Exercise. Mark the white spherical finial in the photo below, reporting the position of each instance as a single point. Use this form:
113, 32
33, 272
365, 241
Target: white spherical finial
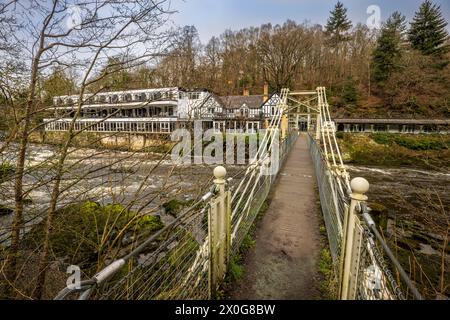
359, 185
220, 172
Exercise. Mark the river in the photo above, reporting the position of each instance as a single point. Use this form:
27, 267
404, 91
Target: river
141, 181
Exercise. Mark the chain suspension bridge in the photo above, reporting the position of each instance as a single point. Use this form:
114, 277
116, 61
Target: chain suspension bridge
189, 257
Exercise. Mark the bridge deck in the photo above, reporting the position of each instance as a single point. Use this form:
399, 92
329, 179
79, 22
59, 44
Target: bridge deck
283, 263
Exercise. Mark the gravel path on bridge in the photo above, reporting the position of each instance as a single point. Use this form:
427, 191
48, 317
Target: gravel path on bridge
283, 262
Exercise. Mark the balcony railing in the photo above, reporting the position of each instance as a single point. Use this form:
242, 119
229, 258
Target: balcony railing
141, 125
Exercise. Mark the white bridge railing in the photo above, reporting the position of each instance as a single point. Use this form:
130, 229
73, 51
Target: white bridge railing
365, 266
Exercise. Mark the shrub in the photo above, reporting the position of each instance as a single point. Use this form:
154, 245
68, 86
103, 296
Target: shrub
82, 231
174, 206
6, 170
417, 142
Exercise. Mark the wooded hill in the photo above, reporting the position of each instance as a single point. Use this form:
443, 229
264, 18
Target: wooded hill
400, 70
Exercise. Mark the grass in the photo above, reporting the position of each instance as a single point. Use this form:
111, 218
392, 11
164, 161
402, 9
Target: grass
326, 269
413, 142
327, 286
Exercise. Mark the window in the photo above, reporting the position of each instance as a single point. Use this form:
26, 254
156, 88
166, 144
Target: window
141, 126
194, 95
156, 96
379, 127
219, 126
409, 128
252, 127
273, 111
430, 128
165, 126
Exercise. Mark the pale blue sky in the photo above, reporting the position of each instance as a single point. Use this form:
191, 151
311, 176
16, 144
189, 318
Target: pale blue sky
212, 17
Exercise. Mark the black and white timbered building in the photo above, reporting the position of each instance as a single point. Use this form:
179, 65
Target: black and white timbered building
160, 111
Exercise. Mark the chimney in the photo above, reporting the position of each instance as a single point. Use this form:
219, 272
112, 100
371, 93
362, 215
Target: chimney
266, 92
246, 92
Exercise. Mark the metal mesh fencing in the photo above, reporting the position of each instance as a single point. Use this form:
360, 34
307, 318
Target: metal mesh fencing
334, 205
172, 263
175, 266
375, 273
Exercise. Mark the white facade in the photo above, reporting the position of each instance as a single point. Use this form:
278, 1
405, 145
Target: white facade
157, 111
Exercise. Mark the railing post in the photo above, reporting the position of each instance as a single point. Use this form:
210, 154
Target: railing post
219, 231
352, 239
318, 128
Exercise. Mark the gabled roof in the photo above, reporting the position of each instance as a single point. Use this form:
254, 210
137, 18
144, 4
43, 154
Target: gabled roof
235, 102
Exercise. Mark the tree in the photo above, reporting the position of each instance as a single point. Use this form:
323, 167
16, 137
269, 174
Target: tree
58, 83
428, 30
350, 94
178, 67
282, 51
46, 39
387, 55
338, 25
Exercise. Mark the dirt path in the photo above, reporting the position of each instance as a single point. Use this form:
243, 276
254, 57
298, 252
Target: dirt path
283, 263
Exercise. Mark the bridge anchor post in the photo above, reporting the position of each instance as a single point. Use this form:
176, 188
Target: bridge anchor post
352, 240
219, 231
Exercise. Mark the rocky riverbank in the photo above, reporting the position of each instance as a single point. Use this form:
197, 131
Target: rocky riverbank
410, 200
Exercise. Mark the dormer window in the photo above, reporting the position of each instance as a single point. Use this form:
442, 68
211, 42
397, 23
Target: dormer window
194, 95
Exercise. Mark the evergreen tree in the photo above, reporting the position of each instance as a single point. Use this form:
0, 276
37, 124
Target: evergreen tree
350, 94
428, 30
338, 25
387, 55
60, 82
